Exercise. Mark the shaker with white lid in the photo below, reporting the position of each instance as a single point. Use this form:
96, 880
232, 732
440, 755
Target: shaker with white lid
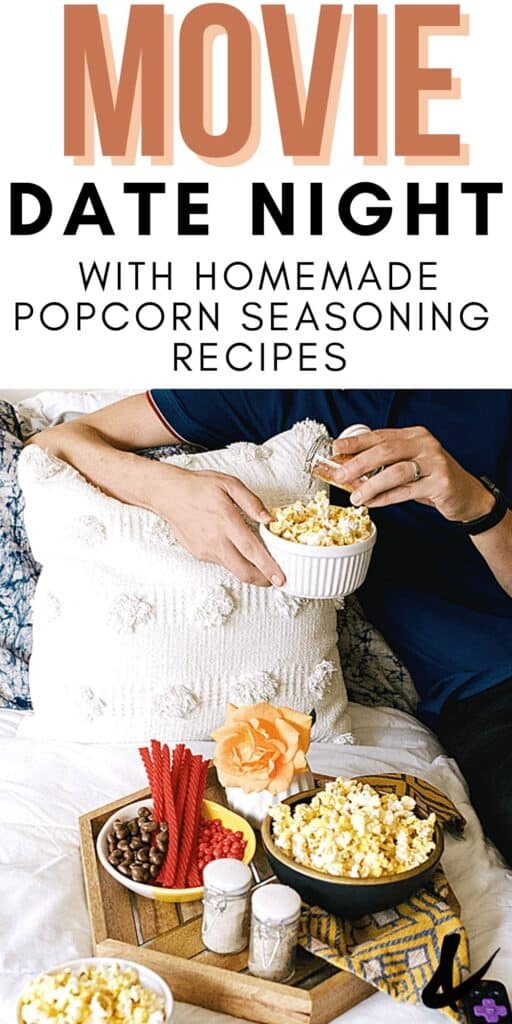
274, 932
227, 883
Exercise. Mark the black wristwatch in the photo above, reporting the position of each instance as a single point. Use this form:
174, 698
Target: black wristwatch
493, 517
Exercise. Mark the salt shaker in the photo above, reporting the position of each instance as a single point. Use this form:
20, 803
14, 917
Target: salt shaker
274, 932
322, 463
227, 884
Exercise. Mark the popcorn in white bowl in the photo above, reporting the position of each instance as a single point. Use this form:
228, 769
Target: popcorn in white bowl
97, 990
324, 551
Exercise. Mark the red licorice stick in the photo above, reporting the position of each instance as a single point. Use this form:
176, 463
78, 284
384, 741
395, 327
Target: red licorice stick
158, 782
148, 765
166, 783
166, 760
188, 823
180, 793
177, 759
168, 870
194, 877
199, 809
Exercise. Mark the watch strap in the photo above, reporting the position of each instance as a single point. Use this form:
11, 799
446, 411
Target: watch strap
492, 518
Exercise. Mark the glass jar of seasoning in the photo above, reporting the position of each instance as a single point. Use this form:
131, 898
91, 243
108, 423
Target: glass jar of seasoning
322, 463
227, 884
274, 932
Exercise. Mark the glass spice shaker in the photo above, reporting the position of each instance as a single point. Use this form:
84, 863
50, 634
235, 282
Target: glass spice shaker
227, 883
321, 462
274, 932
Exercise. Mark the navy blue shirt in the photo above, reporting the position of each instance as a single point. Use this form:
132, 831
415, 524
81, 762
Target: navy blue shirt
428, 590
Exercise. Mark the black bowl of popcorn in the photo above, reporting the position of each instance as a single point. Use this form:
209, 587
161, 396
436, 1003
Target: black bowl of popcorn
352, 848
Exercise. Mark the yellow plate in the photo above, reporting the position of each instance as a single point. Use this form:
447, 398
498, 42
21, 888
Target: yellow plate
154, 892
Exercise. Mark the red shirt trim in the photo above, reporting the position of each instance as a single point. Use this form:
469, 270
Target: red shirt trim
163, 420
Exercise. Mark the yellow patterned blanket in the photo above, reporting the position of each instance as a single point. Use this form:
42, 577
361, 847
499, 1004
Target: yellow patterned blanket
397, 950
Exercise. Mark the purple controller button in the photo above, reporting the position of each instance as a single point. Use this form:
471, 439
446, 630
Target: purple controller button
491, 1011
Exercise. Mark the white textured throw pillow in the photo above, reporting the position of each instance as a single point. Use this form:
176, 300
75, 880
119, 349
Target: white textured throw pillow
134, 638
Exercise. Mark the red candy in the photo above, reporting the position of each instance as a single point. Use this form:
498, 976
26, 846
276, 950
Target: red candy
215, 841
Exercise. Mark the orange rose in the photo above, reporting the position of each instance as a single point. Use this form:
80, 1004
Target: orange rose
261, 747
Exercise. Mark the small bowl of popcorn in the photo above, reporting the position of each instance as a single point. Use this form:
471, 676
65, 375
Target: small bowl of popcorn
352, 848
324, 550
96, 989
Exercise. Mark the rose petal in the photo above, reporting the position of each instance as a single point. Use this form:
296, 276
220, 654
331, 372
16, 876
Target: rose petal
249, 711
299, 763
302, 722
253, 782
225, 731
280, 782
290, 737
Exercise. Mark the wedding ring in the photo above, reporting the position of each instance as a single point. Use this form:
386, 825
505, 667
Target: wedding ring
416, 471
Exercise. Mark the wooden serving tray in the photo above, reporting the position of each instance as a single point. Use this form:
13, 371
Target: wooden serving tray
167, 938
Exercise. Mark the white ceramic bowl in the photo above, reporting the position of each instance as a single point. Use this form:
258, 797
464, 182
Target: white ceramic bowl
147, 978
154, 892
321, 572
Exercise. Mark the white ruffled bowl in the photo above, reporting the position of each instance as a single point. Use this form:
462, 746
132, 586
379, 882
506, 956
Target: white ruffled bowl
254, 806
316, 572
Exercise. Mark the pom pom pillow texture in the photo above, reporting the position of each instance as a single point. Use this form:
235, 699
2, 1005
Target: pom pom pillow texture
134, 637
18, 568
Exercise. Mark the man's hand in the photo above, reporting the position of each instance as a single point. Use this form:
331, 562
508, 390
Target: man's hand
204, 509
415, 468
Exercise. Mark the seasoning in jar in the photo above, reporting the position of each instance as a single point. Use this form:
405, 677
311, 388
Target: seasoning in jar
322, 463
274, 932
227, 883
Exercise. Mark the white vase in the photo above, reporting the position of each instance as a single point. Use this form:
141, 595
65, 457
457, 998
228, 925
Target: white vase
254, 806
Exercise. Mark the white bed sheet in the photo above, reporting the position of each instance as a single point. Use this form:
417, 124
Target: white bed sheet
45, 787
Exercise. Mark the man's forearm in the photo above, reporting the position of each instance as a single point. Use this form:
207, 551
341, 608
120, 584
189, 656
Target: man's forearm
121, 474
495, 546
